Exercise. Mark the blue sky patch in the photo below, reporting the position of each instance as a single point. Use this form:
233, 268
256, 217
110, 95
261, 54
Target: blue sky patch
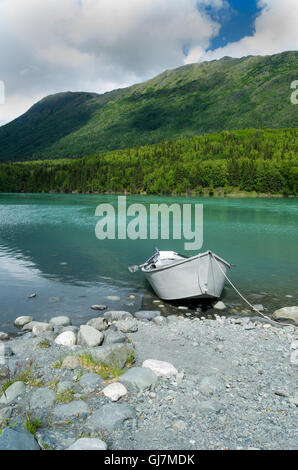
237, 21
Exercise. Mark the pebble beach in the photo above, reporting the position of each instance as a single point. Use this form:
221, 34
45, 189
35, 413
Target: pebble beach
146, 381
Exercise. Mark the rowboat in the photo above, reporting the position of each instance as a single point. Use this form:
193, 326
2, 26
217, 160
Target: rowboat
173, 276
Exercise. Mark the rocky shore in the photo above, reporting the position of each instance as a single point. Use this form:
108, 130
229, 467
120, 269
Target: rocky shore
146, 381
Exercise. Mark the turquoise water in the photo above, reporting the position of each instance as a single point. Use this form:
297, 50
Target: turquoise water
48, 245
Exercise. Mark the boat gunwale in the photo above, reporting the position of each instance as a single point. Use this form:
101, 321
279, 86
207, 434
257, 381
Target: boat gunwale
186, 260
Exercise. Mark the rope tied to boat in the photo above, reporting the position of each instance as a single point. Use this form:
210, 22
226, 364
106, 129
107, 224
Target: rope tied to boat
248, 303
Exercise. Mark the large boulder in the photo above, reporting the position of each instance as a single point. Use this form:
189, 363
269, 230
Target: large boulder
60, 321
127, 326
114, 391
110, 417
117, 315
40, 327
22, 321
67, 338
100, 324
17, 438
112, 337
89, 336
42, 398
141, 378
90, 381
160, 368
12, 392
112, 354
287, 313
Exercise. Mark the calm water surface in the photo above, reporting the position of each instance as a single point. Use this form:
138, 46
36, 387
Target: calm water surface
48, 245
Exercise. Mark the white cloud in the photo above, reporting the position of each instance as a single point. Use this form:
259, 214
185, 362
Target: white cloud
94, 45
97, 45
276, 30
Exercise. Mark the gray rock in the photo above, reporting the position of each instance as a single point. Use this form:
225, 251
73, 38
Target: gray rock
67, 338
88, 444
147, 314
69, 410
219, 306
29, 326
63, 386
90, 381
161, 321
13, 392
287, 313
100, 324
70, 362
22, 321
139, 377
98, 307
127, 326
210, 385
56, 438
17, 438
89, 336
110, 417
259, 307
3, 336
112, 354
5, 413
209, 406
112, 337
42, 398
60, 321
41, 327
117, 315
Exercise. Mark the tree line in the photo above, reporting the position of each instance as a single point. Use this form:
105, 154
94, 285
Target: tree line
249, 160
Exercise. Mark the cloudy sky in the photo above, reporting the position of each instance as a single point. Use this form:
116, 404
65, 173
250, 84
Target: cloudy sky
47, 46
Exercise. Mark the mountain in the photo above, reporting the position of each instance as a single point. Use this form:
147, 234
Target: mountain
227, 94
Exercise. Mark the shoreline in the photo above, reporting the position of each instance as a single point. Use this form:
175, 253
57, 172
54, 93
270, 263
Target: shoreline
216, 195
218, 378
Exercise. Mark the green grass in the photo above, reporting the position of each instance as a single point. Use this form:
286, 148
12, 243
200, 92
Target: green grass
44, 344
103, 370
57, 364
32, 424
65, 397
26, 375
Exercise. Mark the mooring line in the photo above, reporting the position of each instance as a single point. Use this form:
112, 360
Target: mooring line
248, 303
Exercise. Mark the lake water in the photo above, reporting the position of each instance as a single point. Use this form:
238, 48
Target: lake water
48, 246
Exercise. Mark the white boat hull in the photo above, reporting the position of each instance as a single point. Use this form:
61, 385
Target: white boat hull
190, 278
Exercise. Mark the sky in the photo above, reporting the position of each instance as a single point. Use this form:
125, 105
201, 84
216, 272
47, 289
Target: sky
49, 46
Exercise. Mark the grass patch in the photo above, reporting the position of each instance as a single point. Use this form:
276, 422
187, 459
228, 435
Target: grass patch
53, 384
23, 375
27, 376
57, 364
44, 344
65, 397
32, 424
104, 370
